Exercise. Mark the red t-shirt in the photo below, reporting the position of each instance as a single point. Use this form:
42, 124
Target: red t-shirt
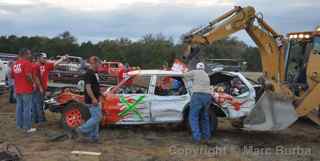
35, 73
20, 70
122, 75
44, 74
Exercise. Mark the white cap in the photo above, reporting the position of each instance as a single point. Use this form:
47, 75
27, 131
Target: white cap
200, 66
43, 55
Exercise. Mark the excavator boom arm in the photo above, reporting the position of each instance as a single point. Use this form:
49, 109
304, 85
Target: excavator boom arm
268, 41
270, 113
223, 26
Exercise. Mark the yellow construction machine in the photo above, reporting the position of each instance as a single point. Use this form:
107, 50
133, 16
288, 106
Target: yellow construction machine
290, 66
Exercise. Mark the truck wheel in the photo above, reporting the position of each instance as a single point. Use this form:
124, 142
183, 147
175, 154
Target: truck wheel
73, 115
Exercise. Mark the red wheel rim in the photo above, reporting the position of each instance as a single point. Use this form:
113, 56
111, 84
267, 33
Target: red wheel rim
73, 118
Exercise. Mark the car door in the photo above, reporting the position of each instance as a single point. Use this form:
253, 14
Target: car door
169, 98
134, 100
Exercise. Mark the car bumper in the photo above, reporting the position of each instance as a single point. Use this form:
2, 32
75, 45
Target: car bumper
52, 106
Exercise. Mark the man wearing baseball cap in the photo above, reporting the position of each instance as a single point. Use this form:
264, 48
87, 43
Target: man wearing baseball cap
200, 99
37, 112
45, 66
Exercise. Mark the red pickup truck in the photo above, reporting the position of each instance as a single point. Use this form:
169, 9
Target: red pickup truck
72, 70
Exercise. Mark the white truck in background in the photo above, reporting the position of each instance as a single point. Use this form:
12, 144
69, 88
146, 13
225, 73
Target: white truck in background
3, 72
4, 61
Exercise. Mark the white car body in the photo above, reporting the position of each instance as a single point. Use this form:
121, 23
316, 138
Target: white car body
157, 108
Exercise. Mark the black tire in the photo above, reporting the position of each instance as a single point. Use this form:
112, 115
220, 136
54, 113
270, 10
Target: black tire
73, 115
212, 117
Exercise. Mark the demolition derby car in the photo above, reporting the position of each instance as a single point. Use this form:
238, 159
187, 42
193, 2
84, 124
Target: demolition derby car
157, 96
68, 71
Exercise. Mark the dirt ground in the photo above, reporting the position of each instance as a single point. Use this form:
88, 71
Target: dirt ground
164, 143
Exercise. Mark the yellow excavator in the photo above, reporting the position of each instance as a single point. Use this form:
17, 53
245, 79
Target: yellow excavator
290, 66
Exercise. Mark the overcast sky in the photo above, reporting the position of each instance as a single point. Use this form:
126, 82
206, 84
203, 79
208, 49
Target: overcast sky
100, 19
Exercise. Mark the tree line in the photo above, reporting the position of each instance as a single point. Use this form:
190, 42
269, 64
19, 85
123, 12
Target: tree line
151, 51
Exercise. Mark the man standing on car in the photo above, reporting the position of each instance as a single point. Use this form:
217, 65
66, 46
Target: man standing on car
22, 75
200, 100
90, 129
45, 67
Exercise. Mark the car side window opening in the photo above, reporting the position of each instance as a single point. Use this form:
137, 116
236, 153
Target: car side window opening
170, 86
114, 66
230, 84
136, 85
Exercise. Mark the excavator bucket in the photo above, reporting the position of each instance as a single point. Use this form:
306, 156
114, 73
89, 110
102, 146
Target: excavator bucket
271, 113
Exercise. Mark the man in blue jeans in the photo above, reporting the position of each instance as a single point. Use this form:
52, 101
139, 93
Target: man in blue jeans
200, 100
39, 69
22, 75
38, 91
90, 129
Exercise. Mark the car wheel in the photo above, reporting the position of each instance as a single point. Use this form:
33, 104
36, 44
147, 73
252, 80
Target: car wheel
73, 115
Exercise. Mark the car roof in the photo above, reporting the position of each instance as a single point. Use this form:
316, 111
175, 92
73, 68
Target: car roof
155, 72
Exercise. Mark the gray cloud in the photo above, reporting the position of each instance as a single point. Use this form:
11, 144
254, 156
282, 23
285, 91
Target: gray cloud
136, 20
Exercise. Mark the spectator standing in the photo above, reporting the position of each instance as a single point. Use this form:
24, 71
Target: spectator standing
200, 100
10, 83
90, 129
44, 66
22, 74
38, 93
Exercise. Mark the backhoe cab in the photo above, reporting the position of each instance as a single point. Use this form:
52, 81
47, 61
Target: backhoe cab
299, 47
301, 77
303, 72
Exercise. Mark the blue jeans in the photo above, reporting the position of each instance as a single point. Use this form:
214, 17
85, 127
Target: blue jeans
37, 108
91, 127
199, 103
23, 111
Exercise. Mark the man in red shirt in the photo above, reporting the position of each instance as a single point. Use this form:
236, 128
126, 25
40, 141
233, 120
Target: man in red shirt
41, 72
38, 92
22, 75
46, 67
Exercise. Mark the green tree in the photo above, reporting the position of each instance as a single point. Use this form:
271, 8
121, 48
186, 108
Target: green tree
151, 51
